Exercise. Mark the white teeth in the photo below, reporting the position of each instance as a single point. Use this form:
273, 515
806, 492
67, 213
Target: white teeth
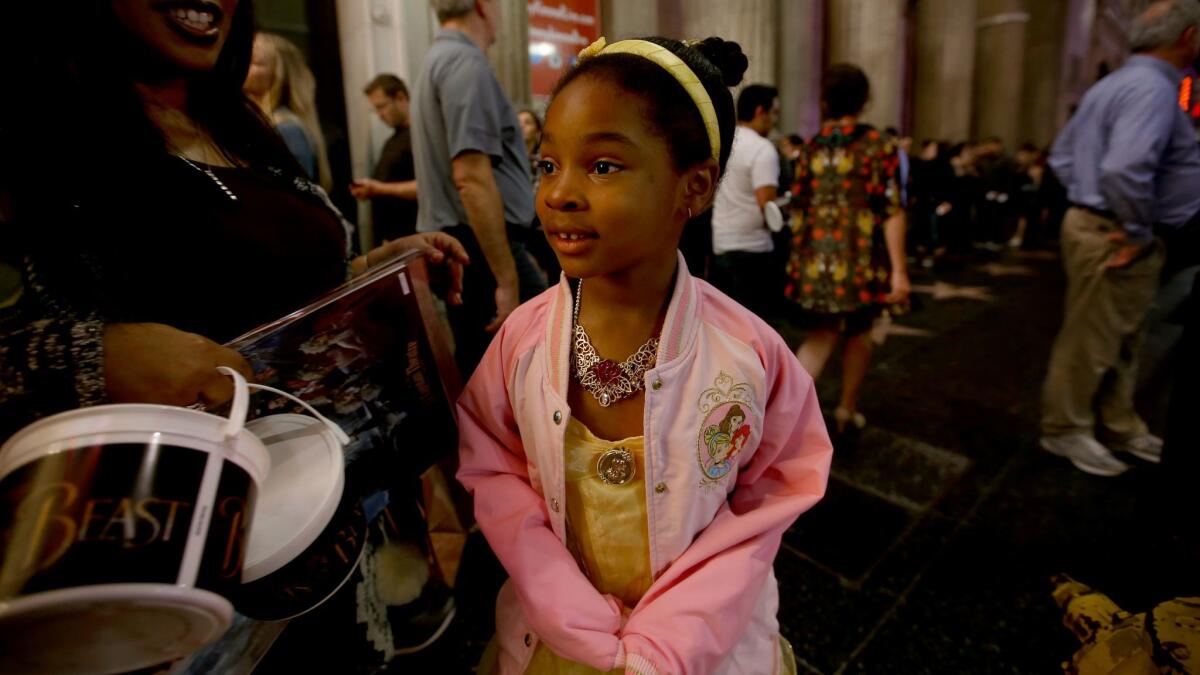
200, 20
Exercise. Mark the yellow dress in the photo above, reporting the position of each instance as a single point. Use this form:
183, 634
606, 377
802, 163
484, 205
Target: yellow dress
606, 533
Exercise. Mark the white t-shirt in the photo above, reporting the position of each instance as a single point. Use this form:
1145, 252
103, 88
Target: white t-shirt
737, 223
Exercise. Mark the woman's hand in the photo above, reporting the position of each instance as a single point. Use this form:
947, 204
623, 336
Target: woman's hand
437, 247
155, 363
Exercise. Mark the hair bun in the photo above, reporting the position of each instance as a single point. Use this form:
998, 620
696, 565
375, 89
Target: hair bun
727, 56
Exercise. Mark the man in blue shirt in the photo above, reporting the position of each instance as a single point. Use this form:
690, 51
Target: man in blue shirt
1130, 162
473, 173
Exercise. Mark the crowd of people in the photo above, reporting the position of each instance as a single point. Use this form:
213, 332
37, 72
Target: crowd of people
622, 554
966, 194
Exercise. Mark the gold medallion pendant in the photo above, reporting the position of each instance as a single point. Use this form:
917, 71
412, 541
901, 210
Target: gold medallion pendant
616, 466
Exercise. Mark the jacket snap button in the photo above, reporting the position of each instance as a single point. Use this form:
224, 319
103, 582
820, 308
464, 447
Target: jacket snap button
657, 385
528, 640
554, 504
558, 417
660, 488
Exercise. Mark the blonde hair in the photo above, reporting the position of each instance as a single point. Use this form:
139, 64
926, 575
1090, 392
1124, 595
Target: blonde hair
293, 94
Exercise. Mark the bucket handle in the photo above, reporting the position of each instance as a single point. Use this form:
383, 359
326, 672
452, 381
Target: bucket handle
241, 402
241, 405
337, 431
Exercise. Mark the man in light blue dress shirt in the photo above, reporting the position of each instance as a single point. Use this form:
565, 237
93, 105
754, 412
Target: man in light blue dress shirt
1130, 163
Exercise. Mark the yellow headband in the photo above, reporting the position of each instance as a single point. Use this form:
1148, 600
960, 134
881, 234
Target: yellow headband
677, 68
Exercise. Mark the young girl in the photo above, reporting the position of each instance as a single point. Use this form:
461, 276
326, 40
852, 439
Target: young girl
646, 554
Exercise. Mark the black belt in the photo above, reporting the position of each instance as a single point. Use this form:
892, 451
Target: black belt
1103, 213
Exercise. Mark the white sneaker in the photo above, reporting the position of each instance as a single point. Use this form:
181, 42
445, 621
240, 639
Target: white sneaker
1146, 447
1086, 453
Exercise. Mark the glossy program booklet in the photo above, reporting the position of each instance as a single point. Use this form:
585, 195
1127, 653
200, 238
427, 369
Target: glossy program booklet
373, 356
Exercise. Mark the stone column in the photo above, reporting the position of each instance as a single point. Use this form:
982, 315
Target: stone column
1077, 40
754, 24
945, 69
670, 17
621, 19
1044, 37
388, 36
419, 25
999, 70
870, 34
801, 47
510, 54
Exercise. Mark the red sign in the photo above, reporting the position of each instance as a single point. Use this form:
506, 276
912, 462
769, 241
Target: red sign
558, 29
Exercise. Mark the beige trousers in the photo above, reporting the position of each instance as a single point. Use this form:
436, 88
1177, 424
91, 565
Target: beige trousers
1093, 367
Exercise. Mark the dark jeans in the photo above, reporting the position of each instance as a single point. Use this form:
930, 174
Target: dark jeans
994, 223
752, 279
924, 227
469, 320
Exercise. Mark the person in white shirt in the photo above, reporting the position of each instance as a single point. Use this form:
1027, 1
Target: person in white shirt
743, 266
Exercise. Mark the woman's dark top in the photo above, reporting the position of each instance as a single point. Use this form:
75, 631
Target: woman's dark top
171, 247
220, 267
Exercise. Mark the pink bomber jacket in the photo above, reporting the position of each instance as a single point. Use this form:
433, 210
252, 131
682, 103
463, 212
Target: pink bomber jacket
735, 450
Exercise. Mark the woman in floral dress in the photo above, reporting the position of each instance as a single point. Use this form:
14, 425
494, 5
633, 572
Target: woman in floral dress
847, 262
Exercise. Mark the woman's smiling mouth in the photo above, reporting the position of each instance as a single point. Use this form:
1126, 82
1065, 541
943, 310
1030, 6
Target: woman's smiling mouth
197, 21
